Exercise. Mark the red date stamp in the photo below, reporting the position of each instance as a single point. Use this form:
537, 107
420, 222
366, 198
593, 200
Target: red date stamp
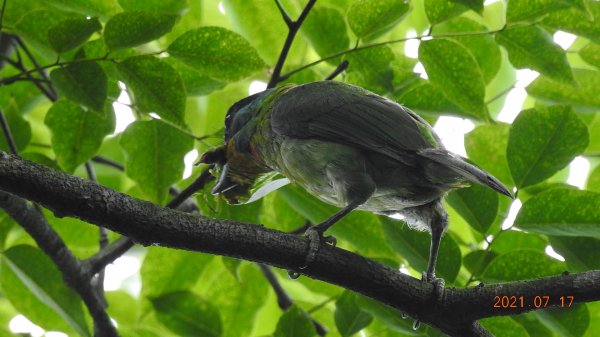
541, 301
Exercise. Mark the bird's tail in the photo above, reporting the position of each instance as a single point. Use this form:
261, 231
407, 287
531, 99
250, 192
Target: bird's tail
465, 169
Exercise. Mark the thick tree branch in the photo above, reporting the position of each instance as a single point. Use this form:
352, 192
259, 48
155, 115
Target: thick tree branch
78, 278
146, 223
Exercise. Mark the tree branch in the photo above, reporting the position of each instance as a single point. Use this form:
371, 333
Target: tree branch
293, 27
147, 223
32, 220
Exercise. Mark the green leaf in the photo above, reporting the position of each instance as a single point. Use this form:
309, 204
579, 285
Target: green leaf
196, 84
591, 54
349, 318
566, 322
158, 6
167, 270
276, 213
477, 261
239, 300
187, 314
294, 323
413, 246
156, 87
483, 47
389, 316
82, 82
441, 10
453, 70
504, 326
542, 142
73, 32
478, 205
369, 19
76, 134
577, 21
87, 7
363, 230
216, 52
130, 29
583, 95
155, 153
562, 212
325, 28
532, 47
512, 240
530, 10
34, 27
580, 253
475, 5
36, 289
263, 31
20, 130
593, 183
424, 98
486, 146
521, 265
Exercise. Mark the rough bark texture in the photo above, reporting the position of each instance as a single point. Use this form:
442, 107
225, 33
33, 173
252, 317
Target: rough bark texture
148, 224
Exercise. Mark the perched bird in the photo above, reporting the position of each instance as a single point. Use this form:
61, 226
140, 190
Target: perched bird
349, 147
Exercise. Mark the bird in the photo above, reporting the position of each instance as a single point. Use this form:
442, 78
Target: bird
348, 147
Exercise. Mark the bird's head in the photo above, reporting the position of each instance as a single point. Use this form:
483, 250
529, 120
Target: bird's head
236, 158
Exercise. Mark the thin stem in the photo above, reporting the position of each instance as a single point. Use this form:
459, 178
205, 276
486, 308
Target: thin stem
58, 63
53, 96
106, 161
293, 27
500, 94
7, 134
108, 254
286, 17
2, 14
378, 44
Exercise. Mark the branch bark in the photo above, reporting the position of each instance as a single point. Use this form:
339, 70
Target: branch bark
455, 313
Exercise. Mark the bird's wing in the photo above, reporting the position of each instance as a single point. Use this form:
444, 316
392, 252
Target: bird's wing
346, 114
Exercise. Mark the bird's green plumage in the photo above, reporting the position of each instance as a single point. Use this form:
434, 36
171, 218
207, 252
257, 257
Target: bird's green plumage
345, 145
348, 147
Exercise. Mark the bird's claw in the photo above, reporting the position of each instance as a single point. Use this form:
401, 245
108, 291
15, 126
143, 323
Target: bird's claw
315, 237
438, 284
438, 288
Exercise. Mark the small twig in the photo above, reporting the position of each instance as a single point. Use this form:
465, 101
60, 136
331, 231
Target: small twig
106, 161
2, 14
286, 17
53, 96
338, 70
383, 43
194, 187
74, 273
293, 27
109, 254
7, 134
500, 94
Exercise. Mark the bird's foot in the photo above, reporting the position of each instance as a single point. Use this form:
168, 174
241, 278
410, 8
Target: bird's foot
438, 288
438, 284
315, 237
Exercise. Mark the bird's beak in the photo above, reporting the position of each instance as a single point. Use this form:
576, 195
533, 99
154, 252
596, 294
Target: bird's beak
224, 183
